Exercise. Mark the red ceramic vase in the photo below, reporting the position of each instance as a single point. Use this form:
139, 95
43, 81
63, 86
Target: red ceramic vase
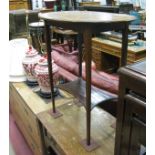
29, 63
42, 75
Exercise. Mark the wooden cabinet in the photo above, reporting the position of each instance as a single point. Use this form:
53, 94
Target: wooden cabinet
131, 109
18, 4
25, 105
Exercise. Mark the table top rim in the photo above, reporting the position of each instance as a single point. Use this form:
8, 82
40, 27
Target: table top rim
83, 17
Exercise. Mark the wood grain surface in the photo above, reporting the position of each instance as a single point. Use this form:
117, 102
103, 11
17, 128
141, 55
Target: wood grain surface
68, 130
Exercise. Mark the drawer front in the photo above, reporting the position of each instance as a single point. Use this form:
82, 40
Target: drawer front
137, 105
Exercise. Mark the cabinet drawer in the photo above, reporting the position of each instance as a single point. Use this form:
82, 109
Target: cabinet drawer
137, 105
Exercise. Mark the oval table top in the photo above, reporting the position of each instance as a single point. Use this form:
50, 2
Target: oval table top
86, 17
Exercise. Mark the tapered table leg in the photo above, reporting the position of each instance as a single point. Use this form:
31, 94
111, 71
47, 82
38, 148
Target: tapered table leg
54, 112
89, 143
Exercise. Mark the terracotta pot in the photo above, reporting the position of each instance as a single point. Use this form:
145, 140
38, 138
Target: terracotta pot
42, 75
29, 63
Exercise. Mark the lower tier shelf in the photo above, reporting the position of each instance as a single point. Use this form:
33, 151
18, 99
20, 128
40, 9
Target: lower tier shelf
78, 89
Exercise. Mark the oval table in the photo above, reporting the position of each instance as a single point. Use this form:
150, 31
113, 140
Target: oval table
85, 23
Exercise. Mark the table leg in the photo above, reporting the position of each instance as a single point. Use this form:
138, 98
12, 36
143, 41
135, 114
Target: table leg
89, 144
87, 44
54, 112
80, 53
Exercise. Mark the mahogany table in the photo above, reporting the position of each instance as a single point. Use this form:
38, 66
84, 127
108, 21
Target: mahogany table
86, 23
